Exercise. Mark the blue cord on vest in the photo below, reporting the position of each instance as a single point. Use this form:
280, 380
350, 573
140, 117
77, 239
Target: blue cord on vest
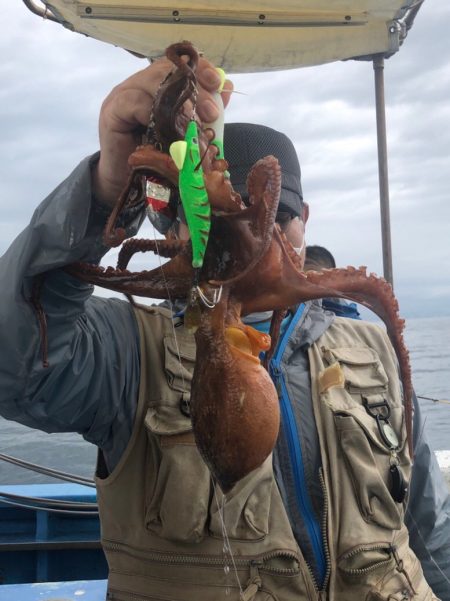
295, 450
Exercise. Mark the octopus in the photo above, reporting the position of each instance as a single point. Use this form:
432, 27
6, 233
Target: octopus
249, 266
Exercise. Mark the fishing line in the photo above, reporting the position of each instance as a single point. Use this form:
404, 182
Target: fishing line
226, 541
419, 439
210, 304
220, 507
428, 398
177, 347
48, 471
49, 509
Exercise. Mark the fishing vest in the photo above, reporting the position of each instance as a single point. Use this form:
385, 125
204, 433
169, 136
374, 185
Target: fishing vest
167, 533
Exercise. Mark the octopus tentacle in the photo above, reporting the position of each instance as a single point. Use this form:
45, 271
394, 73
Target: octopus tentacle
113, 236
165, 248
144, 161
274, 332
376, 294
166, 281
257, 221
180, 86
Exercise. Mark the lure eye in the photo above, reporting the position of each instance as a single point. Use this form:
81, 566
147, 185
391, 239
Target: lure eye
194, 140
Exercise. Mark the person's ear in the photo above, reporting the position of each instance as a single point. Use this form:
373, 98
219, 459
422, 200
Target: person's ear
305, 212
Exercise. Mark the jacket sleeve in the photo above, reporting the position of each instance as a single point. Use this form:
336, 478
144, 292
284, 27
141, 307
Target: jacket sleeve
428, 513
91, 383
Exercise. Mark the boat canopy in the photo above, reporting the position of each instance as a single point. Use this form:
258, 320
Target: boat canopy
241, 37
257, 36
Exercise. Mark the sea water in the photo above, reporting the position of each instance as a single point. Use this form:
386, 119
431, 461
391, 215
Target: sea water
428, 340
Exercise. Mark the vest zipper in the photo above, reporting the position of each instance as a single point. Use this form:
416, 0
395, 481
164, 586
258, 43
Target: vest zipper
205, 560
118, 595
295, 452
324, 529
390, 560
248, 594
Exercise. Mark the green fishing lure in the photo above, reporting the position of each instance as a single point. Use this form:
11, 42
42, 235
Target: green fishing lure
193, 194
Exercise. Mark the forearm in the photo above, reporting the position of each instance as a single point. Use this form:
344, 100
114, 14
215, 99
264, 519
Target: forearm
65, 228
428, 513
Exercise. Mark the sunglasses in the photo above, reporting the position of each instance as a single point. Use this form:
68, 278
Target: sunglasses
284, 218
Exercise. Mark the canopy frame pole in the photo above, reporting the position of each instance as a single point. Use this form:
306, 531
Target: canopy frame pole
43, 12
383, 176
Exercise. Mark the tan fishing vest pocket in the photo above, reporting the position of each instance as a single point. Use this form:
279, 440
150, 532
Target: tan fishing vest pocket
179, 354
370, 431
178, 501
361, 367
247, 507
214, 594
402, 583
178, 481
392, 574
201, 581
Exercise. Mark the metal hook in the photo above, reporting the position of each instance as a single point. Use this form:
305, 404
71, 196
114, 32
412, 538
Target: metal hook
210, 304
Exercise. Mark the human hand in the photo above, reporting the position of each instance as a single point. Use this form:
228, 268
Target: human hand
125, 113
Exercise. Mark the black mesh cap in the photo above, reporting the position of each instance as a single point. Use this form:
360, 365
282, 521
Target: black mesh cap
246, 143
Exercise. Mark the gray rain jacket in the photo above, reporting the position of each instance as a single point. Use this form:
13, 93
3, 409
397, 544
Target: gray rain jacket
92, 383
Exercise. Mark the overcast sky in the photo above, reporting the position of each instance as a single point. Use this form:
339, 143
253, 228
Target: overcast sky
53, 82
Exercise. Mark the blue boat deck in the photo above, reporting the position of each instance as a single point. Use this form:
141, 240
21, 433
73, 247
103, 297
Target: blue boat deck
80, 590
38, 546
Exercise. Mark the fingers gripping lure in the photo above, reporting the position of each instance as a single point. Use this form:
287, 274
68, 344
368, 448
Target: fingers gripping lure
194, 198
